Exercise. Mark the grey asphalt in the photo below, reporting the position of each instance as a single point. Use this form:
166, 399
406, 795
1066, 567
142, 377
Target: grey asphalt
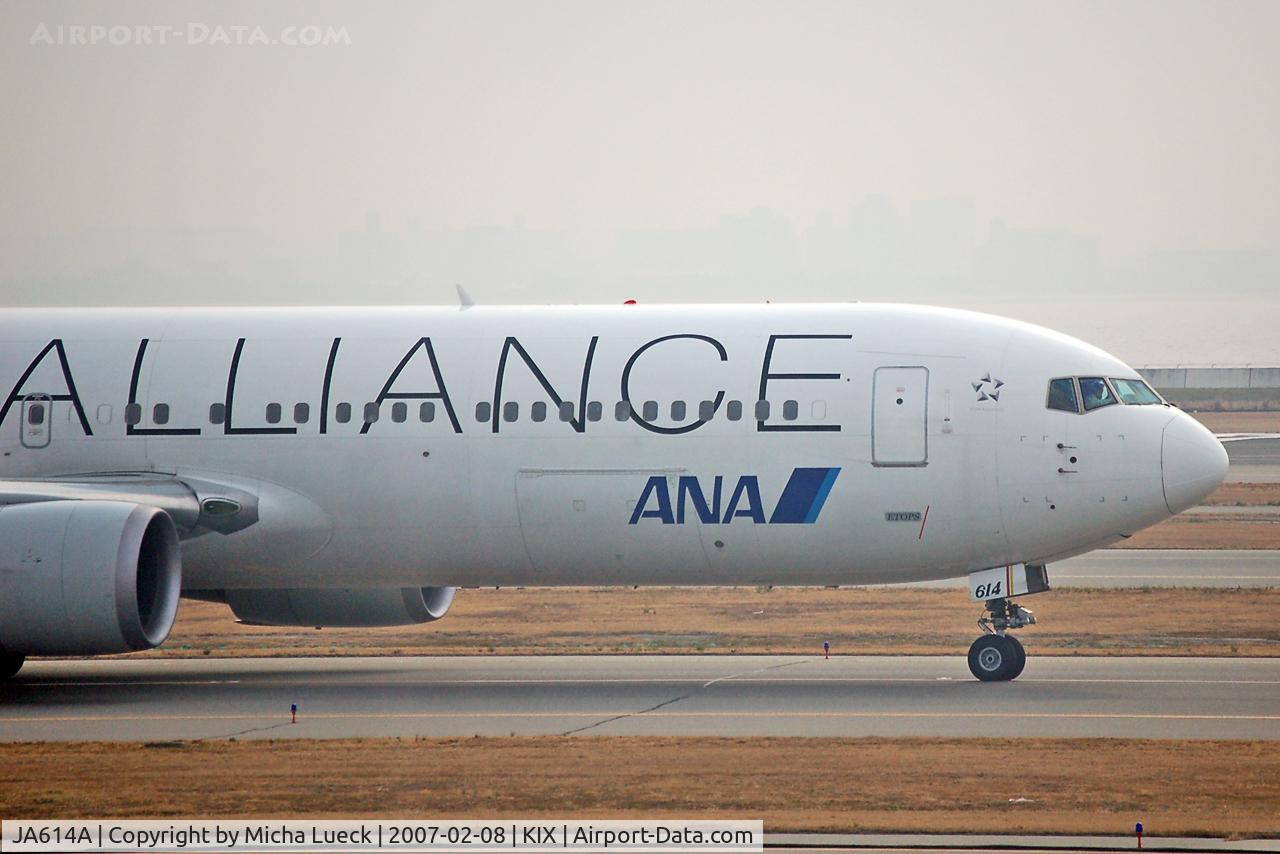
1254, 460
158, 700
1158, 568
1264, 450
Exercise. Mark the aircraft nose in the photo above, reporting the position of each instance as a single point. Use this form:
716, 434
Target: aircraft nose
1193, 463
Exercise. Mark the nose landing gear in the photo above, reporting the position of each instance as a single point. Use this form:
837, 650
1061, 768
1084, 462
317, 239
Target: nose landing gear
998, 656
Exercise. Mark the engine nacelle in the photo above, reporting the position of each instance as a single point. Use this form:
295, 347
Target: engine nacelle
86, 577
340, 608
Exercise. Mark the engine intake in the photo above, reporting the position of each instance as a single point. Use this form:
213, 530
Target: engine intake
86, 577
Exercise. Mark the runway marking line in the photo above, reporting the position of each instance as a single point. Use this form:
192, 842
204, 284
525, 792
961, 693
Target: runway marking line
566, 714
153, 682
1068, 576
673, 681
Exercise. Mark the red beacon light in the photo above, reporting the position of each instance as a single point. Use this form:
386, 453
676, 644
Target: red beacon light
631, 302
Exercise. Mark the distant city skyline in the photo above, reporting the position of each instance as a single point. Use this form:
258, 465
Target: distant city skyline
1010, 156
881, 250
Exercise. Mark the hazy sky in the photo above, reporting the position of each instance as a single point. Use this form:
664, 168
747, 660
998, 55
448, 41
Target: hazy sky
1135, 132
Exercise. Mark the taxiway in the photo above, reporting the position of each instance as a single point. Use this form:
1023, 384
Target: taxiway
159, 700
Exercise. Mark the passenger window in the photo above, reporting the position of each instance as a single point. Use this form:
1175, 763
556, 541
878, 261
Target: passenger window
1135, 392
342, 413
104, 413
677, 410
133, 414
1062, 395
427, 412
566, 411
1096, 393
510, 411
706, 410
483, 411
595, 410
217, 413
734, 410
790, 410
538, 412
818, 410
35, 414
301, 413
371, 413
273, 413
399, 412
762, 410
622, 411
650, 410
160, 413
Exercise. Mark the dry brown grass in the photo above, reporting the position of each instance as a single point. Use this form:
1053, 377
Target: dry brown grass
1189, 531
793, 784
1245, 495
866, 620
1254, 530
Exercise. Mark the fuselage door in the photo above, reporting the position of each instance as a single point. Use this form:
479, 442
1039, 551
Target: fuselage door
36, 422
899, 416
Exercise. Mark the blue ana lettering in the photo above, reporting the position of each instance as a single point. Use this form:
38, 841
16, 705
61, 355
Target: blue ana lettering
800, 503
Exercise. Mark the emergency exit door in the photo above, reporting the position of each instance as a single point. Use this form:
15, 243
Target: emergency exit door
900, 417
37, 412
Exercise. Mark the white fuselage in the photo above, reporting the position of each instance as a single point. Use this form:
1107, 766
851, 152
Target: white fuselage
901, 443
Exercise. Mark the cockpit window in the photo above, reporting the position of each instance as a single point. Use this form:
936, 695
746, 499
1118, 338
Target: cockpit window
1096, 393
1134, 392
1062, 395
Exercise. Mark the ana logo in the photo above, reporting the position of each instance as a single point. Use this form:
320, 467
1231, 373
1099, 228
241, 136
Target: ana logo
800, 503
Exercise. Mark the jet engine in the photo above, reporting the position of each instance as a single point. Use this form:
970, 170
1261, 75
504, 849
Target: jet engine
338, 607
86, 578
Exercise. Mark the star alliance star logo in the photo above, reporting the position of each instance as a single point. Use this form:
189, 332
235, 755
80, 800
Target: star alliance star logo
988, 388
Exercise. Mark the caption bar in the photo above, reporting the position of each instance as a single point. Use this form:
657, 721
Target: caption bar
92, 835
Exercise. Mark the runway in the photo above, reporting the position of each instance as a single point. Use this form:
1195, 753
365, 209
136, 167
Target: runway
1158, 568
1254, 460
156, 700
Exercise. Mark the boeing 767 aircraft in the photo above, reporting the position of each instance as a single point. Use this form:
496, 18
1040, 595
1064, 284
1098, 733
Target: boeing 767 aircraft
355, 466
